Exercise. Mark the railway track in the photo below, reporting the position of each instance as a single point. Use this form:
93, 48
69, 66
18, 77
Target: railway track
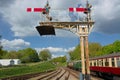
46, 75
59, 74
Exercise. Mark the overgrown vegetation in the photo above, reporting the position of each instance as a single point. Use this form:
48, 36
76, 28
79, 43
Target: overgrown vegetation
75, 55
96, 49
26, 55
45, 55
1, 51
59, 61
26, 69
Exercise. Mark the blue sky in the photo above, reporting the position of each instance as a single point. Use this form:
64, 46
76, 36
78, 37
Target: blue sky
17, 27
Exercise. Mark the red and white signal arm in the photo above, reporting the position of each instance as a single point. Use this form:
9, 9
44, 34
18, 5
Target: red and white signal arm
43, 9
77, 9
35, 9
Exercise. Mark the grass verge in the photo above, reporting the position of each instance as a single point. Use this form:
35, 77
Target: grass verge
26, 69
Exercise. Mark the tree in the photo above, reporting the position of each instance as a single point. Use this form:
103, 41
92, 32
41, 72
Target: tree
75, 54
112, 48
11, 55
59, 59
108, 49
28, 55
116, 46
0, 42
45, 55
1, 51
95, 49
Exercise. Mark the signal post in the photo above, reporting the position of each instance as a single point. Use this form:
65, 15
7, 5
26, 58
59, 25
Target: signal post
84, 32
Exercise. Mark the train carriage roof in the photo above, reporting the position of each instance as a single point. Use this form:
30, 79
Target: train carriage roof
107, 56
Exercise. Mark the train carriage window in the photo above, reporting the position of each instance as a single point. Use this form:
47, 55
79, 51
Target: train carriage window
113, 62
91, 63
94, 63
97, 62
102, 62
118, 61
106, 62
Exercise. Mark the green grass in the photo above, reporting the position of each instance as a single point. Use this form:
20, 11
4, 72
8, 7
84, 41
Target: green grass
26, 69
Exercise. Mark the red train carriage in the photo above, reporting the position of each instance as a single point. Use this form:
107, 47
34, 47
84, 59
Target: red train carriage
108, 65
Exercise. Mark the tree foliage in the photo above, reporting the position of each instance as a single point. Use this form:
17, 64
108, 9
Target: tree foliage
11, 55
28, 55
1, 50
111, 48
75, 55
25, 55
45, 55
59, 59
116, 46
0, 43
95, 49
3, 53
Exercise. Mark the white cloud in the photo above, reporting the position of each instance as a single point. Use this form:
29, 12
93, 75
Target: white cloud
54, 56
14, 44
23, 23
71, 49
55, 51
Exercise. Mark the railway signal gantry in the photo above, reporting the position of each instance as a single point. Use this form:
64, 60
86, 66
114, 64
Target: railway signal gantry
81, 28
